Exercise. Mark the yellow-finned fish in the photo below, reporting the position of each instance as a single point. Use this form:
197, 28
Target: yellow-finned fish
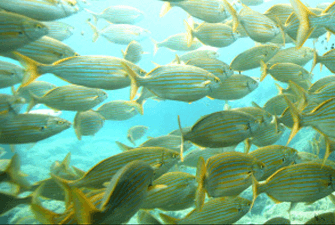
87, 123
17, 30
10, 105
326, 59
175, 82
43, 10
280, 11
10, 74
226, 210
321, 82
292, 55
120, 110
59, 30
136, 132
274, 157
133, 52
71, 97
64, 170
277, 104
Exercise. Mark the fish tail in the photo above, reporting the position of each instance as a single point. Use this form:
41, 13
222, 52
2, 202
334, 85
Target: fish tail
256, 190
281, 28
32, 68
264, 69
303, 14
200, 176
133, 79
168, 219
233, 13
65, 184
182, 140
296, 119
123, 147
247, 145
316, 60
156, 47
138, 107
301, 93
15, 176
76, 130
95, 32
189, 36
34, 101
95, 15
165, 9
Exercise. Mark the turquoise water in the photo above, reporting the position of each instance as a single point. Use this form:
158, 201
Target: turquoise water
159, 116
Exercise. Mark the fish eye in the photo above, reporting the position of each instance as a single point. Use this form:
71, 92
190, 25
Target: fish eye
76, 54
60, 122
39, 26
42, 128
216, 80
283, 159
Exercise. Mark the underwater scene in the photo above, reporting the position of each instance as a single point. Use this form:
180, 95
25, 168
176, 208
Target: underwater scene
167, 112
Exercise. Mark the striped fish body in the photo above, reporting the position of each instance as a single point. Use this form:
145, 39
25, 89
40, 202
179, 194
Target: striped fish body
259, 27
37, 88
145, 217
229, 173
240, 30
235, 87
29, 128
40, 9
269, 135
274, 157
179, 185
218, 211
179, 82
277, 104
214, 66
17, 31
322, 94
10, 74
172, 142
259, 113
59, 30
119, 110
305, 182
211, 11
222, 129
46, 50
10, 104
252, 2
104, 170
292, 55
120, 14
278, 39
199, 53
136, 132
87, 123
133, 52
252, 57
285, 72
281, 11
326, 59
178, 42
215, 34
303, 157
321, 82
103, 72
72, 98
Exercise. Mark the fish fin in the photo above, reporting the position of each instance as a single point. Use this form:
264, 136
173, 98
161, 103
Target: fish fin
264, 69
247, 145
226, 106
292, 206
301, 93
76, 129
182, 140
123, 53
34, 101
123, 147
165, 9
156, 47
233, 13
138, 107
200, 176
95, 32
254, 104
156, 188
134, 80
95, 15
178, 59
274, 199
15, 176
331, 197
316, 60
65, 184
156, 64
168, 219
328, 150
31, 72
205, 83
281, 28
189, 31
279, 88
329, 34
296, 119
211, 98
256, 190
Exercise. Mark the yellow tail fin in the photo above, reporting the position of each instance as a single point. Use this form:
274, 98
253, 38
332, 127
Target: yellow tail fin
95, 32
165, 9
296, 119
133, 79
200, 176
264, 69
189, 31
233, 13
182, 140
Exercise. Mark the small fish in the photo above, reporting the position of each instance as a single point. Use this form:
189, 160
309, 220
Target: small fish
10, 74
120, 110
70, 97
252, 57
133, 52
136, 132
119, 14
59, 30
175, 82
145, 217
87, 123
292, 55
17, 31
274, 157
121, 33
235, 87
30, 128
226, 174
226, 210
199, 53
323, 218
41, 9
37, 88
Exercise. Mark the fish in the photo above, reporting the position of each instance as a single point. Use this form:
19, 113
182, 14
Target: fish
292, 55
227, 210
136, 132
145, 217
321, 82
213, 34
120, 110
40, 9
10, 105
30, 128
252, 57
326, 59
177, 132
10, 74
323, 218
119, 14
177, 42
11, 201
226, 174
180, 187
59, 30
234, 87
121, 33
133, 52
198, 53
37, 88
277, 220
18, 30
303, 157
71, 98
277, 104
103, 72
280, 11
87, 123
175, 82
274, 157
252, 2
64, 170
256, 111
